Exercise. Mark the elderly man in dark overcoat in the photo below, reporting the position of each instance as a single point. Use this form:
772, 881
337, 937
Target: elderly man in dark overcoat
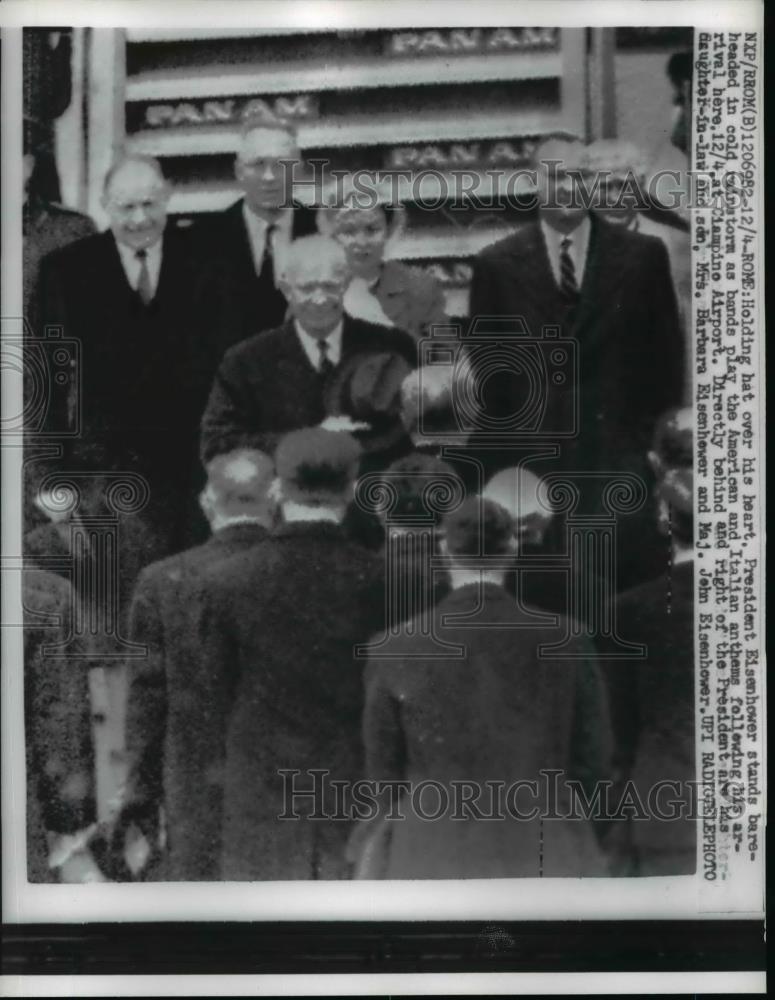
150, 327
292, 376
285, 625
175, 698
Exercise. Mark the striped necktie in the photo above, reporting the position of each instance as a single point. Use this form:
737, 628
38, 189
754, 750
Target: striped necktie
568, 285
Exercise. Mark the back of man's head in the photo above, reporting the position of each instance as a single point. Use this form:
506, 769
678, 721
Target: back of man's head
478, 527
680, 68
416, 478
518, 490
673, 442
317, 468
672, 459
238, 485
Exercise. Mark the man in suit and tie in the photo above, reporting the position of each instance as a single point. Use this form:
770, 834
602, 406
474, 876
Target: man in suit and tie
279, 380
137, 299
284, 621
611, 291
174, 721
248, 241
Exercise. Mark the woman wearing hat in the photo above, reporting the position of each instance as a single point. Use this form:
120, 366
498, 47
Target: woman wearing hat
381, 291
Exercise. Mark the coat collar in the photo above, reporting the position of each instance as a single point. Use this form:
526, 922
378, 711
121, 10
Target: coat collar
244, 531
311, 529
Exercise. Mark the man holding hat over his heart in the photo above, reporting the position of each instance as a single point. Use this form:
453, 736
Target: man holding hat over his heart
320, 364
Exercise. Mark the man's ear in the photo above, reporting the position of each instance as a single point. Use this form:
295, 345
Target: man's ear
656, 463
206, 503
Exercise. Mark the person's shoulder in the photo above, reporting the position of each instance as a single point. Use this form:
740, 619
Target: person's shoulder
375, 337
266, 343
209, 223
397, 274
91, 247
628, 241
670, 235
222, 573
170, 570
518, 242
70, 218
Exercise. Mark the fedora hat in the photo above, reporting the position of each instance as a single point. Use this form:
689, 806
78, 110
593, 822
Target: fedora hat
367, 388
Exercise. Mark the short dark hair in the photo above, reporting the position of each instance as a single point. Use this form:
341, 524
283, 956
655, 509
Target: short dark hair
316, 466
673, 440
411, 476
680, 68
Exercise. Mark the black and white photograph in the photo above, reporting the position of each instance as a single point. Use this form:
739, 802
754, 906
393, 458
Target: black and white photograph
365, 533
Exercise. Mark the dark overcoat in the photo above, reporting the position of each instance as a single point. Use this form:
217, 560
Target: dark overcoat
255, 303
285, 621
629, 359
175, 721
496, 712
47, 227
141, 383
57, 721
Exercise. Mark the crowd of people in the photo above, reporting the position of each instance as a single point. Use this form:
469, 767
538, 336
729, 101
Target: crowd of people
344, 578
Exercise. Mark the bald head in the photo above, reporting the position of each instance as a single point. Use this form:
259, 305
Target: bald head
238, 486
135, 197
518, 490
315, 279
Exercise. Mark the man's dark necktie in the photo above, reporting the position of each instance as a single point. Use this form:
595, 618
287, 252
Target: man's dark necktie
568, 285
267, 265
325, 364
144, 286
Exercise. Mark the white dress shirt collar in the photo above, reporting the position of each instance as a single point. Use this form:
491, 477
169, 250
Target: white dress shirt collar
578, 249
311, 344
293, 512
132, 265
